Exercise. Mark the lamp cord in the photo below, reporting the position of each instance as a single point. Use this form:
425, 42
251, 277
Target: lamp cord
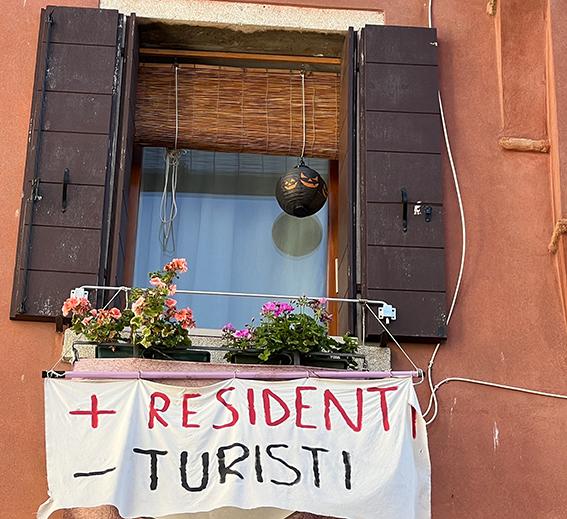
302, 73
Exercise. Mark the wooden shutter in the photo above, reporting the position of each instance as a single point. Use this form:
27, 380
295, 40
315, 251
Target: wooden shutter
120, 218
400, 146
345, 264
63, 238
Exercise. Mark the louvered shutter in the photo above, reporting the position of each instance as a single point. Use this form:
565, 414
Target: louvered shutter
402, 249
66, 200
344, 261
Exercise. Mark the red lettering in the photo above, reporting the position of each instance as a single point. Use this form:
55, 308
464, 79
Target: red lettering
300, 406
266, 395
413, 422
251, 406
187, 412
383, 403
154, 412
94, 412
230, 407
328, 397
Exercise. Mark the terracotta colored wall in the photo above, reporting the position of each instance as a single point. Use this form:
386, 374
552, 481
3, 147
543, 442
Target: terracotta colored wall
26, 348
494, 453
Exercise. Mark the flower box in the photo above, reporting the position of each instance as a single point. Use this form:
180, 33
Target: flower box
114, 351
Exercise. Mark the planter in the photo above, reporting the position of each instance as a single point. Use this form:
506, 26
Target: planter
289, 358
323, 360
118, 351
250, 357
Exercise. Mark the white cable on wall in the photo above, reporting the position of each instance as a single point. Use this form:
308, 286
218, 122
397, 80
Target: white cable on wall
433, 403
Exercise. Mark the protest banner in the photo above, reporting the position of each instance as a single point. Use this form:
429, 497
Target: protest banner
340, 448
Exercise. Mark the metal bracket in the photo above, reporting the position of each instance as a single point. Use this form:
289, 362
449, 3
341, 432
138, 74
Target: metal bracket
35, 196
387, 312
79, 293
428, 213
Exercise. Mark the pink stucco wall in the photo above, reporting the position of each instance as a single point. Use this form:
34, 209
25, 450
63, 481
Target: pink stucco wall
494, 453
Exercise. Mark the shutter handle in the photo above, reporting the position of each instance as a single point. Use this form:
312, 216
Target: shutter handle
404, 210
64, 192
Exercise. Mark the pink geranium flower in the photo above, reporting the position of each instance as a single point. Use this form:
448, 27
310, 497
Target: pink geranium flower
177, 265
76, 306
115, 313
171, 289
157, 282
138, 305
170, 303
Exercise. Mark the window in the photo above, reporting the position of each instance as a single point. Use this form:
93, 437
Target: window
76, 218
232, 231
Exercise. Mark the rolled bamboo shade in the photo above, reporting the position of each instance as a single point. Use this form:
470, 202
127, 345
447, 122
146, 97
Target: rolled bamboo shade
238, 110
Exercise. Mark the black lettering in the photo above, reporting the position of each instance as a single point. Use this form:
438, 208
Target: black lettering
153, 464
183, 469
258, 465
315, 456
348, 469
297, 479
225, 469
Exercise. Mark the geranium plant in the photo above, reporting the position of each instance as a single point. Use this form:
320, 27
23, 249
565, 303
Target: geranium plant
283, 329
151, 318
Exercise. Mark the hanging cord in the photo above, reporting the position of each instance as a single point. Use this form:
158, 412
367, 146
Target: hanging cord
302, 73
168, 205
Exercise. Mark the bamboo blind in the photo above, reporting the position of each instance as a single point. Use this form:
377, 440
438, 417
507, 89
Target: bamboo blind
238, 110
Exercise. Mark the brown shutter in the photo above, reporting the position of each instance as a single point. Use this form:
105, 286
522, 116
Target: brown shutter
126, 130
400, 146
345, 264
63, 237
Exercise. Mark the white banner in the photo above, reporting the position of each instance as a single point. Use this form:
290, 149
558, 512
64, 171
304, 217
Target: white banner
348, 449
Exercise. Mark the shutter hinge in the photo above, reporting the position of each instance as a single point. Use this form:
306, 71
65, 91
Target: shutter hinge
35, 195
434, 43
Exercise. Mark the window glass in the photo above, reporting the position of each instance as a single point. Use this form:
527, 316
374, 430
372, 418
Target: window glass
232, 232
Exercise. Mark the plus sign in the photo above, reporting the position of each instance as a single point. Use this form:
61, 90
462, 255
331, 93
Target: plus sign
94, 412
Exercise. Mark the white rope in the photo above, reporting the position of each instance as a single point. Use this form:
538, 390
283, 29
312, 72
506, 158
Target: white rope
303, 112
172, 157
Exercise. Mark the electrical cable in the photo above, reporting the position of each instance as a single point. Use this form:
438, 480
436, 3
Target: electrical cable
433, 402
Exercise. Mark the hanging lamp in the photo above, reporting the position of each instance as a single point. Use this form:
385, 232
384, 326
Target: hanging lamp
301, 192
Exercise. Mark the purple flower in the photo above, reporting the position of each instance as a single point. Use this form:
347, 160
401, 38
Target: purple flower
228, 327
269, 308
243, 334
283, 308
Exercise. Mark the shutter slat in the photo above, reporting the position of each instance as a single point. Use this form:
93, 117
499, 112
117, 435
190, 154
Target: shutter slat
84, 206
85, 26
400, 127
84, 155
82, 113
65, 250
81, 68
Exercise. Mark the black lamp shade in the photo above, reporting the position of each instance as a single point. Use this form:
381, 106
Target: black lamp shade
301, 191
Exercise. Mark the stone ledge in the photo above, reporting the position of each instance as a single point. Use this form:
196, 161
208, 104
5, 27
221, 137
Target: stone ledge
378, 358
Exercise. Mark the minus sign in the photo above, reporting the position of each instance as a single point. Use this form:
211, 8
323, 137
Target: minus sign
96, 473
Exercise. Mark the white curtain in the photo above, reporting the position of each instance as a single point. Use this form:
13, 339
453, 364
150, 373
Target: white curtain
231, 230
